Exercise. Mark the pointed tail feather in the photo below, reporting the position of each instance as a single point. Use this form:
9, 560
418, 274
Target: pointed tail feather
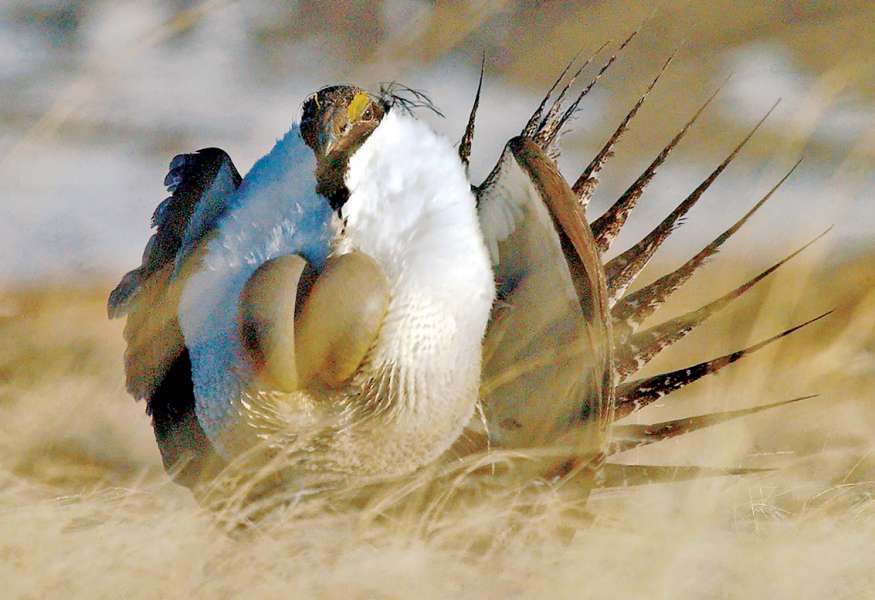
631, 311
588, 180
531, 127
622, 270
618, 476
548, 136
637, 394
468, 137
606, 228
629, 437
631, 354
551, 119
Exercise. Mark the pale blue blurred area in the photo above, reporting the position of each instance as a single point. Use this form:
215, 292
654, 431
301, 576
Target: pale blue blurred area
78, 189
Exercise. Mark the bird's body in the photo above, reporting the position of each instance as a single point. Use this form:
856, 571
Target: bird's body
349, 302
410, 209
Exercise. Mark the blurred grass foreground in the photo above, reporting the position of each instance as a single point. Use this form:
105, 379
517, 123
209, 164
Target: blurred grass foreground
97, 96
86, 510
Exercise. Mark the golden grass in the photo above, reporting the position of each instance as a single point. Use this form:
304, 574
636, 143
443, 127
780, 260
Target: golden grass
86, 511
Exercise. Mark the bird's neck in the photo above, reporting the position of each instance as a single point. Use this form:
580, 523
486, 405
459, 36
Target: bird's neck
331, 170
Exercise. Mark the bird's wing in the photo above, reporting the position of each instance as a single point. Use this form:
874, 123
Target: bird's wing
200, 184
157, 365
552, 302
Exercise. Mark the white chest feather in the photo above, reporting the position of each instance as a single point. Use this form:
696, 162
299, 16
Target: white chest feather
412, 210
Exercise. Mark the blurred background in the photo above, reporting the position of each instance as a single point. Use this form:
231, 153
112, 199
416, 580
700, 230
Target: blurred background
98, 96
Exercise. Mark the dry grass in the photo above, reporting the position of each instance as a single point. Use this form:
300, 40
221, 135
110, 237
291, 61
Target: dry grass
86, 511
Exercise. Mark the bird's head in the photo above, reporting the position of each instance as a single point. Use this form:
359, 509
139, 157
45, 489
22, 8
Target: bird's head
335, 122
339, 118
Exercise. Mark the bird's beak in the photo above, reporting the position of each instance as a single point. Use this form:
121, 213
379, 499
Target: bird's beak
334, 120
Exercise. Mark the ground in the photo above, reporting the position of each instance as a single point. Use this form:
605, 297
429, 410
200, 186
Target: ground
86, 510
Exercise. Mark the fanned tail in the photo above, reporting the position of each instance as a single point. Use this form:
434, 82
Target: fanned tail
629, 437
622, 270
633, 349
606, 228
588, 180
630, 311
551, 119
637, 394
631, 354
549, 135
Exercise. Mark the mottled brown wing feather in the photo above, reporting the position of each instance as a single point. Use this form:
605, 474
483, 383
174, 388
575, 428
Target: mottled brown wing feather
547, 357
157, 365
582, 257
200, 184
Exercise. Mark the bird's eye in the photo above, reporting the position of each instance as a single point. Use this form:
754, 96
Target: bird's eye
368, 114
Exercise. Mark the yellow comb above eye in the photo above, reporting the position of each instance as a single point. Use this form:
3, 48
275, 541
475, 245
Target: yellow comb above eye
358, 105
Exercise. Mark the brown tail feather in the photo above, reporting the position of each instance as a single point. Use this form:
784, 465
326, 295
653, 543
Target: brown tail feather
617, 476
637, 394
606, 228
468, 137
531, 127
549, 135
633, 353
628, 437
588, 180
632, 310
552, 118
623, 269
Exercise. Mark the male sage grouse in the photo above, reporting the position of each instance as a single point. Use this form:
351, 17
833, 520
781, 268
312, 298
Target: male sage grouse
344, 309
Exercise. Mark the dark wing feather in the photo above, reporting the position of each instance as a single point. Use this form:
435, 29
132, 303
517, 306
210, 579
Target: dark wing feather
186, 452
200, 184
157, 366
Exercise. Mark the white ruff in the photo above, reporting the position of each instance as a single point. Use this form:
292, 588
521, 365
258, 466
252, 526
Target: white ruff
412, 210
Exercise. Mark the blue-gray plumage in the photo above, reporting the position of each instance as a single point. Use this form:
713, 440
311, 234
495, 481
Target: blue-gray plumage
275, 211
